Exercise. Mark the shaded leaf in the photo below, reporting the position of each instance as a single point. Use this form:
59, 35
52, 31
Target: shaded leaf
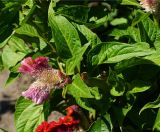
75, 60
155, 104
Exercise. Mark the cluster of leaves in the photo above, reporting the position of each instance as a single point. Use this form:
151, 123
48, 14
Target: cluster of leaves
110, 49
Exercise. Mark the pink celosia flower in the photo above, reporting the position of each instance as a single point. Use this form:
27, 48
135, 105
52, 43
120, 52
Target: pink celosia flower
38, 92
149, 5
46, 77
65, 124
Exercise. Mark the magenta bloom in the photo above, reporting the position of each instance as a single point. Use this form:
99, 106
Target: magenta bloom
33, 67
46, 77
38, 92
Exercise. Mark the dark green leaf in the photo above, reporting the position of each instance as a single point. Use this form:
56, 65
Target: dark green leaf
72, 11
155, 104
137, 86
75, 60
102, 125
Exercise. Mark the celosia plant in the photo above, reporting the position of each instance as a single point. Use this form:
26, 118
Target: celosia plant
102, 57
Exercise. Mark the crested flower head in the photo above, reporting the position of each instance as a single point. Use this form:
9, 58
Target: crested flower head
150, 5
32, 67
38, 92
46, 77
65, 124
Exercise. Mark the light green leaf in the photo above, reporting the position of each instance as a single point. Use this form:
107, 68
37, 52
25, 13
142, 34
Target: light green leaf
28, 30
119, 21
130, 2
131, 32
18, 44
31, 31
155, 104
138, 86
28, 115
11, 57
113, 52
65, 35
79, 89
139, 16
148, 30
153, 59
157, 122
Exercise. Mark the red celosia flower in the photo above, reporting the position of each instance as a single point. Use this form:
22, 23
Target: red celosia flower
46, 77
65, 124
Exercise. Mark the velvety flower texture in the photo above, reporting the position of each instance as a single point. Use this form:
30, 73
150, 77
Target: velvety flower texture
65, 124
46, 78
149, 5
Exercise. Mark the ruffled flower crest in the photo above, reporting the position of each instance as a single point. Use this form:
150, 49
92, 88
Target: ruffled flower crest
46, 78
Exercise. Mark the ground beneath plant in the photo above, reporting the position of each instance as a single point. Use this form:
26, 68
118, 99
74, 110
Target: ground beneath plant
8, 97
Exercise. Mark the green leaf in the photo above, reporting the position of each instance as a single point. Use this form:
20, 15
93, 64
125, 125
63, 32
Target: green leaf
2, 44
65, 35
79, 89
72, 11
138, 86
157, 122
120, 110
113, 52
31, 31
157, 40
139, 16
119, 21
153, 59
28, 30
155, 104
27, 115
8, 54
3, 130
1, 64
75, 60
11, 78
131, 32
84, 103
102, 124
90, 36
18, 44
130, 2
148, 30
116, 84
